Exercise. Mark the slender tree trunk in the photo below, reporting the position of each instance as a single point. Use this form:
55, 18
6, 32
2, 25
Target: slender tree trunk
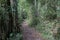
36, 7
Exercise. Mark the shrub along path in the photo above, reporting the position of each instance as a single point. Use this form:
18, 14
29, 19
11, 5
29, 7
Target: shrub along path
30, 33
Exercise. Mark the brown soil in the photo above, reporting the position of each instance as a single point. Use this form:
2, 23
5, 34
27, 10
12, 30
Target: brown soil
30, 33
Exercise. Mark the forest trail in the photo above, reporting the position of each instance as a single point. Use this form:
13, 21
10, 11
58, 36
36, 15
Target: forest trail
30, 33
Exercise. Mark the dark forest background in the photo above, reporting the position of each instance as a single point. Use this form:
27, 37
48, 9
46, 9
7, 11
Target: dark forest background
43, 15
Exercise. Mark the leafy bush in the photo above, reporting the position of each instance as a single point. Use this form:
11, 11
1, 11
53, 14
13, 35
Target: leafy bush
51, 16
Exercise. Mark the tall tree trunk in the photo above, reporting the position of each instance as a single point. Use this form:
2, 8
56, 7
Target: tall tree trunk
14, 13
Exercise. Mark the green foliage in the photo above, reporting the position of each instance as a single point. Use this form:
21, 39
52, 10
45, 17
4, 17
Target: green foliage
46, 10
30, 1
16, 36
51, 17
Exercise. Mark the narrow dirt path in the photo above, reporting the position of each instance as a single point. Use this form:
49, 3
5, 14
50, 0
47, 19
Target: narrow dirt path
30, 33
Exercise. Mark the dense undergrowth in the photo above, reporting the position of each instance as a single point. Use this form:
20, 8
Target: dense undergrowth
43, 15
